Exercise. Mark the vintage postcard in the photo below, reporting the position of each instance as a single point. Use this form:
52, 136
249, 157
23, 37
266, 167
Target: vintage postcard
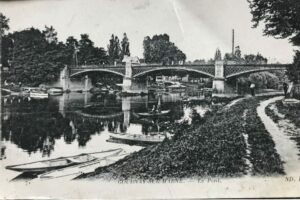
149, 99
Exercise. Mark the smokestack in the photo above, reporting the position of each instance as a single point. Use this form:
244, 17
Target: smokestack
232, 41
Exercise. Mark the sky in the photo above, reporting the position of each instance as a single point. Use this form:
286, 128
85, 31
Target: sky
197, 27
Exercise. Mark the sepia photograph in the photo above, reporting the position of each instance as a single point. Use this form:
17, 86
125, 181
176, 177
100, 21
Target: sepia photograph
149, 99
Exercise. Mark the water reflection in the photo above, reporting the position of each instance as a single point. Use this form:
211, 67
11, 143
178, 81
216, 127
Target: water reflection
36, 125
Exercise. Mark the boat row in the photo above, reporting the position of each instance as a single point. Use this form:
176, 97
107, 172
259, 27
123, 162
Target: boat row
41, 93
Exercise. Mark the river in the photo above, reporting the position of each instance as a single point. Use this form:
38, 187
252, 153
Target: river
75, 123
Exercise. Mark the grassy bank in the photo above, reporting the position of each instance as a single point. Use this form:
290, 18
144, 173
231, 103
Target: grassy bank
291, 112
291, 115
214, 146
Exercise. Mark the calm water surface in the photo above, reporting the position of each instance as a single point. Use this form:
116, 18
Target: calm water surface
77, 123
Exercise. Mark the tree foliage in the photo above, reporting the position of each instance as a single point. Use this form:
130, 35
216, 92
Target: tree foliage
114, 49
3, 24
218, 55
34, 57
294, 72
89, 54
236, 56
125, 46
281, 18
159, 49
32, 60
255, 59
50, 34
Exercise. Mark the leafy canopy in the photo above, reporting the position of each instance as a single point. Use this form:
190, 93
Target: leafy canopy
159, 49
281, 18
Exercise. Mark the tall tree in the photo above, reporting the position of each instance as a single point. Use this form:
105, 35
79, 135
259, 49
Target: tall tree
3, 24
117, 49
218, 55
3, 42
125, 46
88, 53
33, 59
282, 20
114, 49
72, 49
50, 34
159, 49
294, 72
255, 59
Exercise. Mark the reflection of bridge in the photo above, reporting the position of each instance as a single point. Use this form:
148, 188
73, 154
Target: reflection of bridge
218, 71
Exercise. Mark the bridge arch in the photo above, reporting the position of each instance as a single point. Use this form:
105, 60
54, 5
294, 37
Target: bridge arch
85, 71
176, 68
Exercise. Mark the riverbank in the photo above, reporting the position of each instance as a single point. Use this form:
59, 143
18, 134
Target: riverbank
285, 119
214, 146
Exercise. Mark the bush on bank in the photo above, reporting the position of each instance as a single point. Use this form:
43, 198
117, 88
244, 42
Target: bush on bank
291, 112
214, 148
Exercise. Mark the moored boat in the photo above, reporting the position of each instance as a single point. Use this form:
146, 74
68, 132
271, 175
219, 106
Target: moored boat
55, 91
138, 139
74, 171
62, 162
176, 88
149, 114
38, 94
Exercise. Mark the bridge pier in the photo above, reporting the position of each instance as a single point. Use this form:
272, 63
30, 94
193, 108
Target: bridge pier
64, 79
126, 110
219, 79
218, 86
87, 83
127, 80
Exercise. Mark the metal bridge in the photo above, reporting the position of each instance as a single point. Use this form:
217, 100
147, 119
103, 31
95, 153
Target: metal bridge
209, 70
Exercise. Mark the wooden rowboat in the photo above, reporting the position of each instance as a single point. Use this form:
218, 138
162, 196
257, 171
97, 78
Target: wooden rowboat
136, 139
74, 171
38, 94
150, 114
62, 162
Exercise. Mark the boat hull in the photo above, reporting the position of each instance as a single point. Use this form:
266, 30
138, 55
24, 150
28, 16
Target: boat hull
39, 95
141, 140
58, 163
164, 112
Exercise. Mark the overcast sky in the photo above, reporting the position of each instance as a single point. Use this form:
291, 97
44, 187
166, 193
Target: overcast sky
198, 27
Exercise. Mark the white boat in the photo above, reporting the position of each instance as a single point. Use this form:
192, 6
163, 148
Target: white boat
74, 171
38, 94
136, 139
55, 91
57, 163
176, 87
149, 114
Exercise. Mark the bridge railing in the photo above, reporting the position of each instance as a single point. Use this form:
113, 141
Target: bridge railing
95, 66
139, 65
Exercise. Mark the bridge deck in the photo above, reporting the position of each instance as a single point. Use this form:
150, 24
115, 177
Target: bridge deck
230, 70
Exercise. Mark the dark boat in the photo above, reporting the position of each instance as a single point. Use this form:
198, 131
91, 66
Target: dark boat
62, 162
